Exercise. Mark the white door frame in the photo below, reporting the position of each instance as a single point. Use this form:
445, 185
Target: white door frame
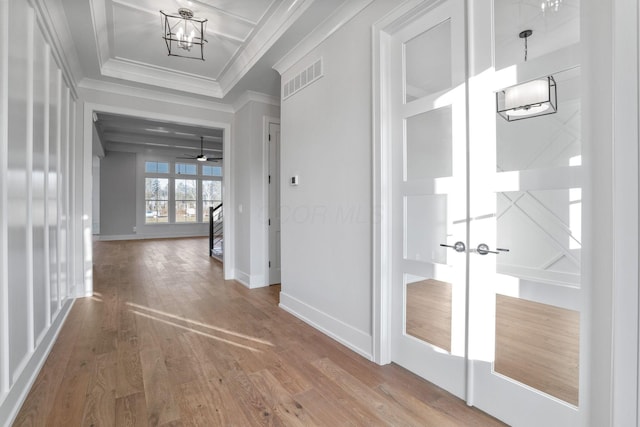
610, 51
227, 192
382, 201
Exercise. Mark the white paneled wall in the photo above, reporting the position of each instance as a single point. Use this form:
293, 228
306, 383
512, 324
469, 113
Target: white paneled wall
39, 159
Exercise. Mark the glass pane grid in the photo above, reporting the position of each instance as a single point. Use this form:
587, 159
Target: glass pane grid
186, 198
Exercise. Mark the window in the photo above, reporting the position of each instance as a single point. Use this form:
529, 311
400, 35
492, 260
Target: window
211, 196
156, 167
185, 169
180, 192
156, 200
211, 170
186, 200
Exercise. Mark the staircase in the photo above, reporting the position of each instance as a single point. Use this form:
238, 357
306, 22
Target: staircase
216, 249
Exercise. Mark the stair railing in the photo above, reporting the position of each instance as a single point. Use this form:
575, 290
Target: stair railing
216, 231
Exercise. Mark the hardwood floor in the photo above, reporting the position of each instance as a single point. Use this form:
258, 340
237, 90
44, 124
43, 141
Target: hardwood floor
166, 341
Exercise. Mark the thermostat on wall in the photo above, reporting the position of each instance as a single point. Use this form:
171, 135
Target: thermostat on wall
294, 180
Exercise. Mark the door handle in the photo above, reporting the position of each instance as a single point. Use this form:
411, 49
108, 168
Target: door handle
457, 246
483, 249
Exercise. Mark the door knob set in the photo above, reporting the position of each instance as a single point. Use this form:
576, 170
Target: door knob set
457, 246
482, 249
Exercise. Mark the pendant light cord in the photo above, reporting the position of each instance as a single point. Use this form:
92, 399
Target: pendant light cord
525, 35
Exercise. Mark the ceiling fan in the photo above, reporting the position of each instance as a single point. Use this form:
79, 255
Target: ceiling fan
201, 157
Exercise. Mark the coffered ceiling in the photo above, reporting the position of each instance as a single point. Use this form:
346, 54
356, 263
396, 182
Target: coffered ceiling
120, 41
123, 133
118, 45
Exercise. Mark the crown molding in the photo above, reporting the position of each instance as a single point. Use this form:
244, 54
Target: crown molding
121, 89
56, 32
281, 20
286, 13
251, 96
347, 11
165, 78
100, 30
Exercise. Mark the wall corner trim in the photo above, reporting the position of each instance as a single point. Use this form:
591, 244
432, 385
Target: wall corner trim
251, 96
58, 35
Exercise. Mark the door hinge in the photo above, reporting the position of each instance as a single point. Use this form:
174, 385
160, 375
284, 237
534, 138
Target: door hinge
269, 264
269, 179
269, 221
269, 137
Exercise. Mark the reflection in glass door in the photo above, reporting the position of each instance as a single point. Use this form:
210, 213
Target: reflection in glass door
496, 216
429, 187
525, 205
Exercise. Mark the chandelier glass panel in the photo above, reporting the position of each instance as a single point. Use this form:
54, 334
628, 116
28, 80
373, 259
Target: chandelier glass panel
184, 34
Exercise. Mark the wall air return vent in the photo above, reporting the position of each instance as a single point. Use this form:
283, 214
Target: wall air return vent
303, 79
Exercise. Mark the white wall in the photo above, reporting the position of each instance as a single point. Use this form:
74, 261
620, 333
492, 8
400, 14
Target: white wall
327, 218
39, 217
249, 174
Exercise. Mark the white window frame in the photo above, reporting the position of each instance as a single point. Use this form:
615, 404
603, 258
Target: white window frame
172, 175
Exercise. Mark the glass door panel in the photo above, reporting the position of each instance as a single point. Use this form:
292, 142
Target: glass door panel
429, 197
525, 283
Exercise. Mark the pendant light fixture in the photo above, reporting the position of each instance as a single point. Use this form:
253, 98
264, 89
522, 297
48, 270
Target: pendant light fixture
184, 34
530, 99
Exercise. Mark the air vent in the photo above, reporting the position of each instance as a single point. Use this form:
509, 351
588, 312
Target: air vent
309, 75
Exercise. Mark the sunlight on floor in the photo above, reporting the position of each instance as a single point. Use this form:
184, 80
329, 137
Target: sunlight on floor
172, 320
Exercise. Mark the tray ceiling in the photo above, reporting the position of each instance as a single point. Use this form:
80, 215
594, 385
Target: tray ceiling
122, 39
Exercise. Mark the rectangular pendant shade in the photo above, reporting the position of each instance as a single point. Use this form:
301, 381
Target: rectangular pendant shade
526, 100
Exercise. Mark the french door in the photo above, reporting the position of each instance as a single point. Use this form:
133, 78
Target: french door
487, 213
429, 196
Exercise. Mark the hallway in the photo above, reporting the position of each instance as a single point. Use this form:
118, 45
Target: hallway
165, 341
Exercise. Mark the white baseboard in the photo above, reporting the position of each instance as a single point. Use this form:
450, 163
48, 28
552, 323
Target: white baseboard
251, 282
20, 389
347, 335
112, 237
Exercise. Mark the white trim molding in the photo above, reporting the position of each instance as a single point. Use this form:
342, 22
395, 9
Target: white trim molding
626, 108
283, 17
341, 16
20, 389
345, 334
127, 90
89, 109
251, 96
4, 178
125, 69
55, 28
249, 281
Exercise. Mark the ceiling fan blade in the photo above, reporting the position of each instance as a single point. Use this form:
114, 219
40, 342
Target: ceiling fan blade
186, 158
213, 159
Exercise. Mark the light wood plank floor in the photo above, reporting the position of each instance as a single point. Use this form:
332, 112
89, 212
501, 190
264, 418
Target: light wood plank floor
166, 341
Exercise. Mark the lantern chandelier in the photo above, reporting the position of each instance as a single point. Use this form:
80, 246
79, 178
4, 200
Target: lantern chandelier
530, 99
553, 5
184, 34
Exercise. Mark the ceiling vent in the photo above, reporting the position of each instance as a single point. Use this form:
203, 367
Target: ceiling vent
303, 79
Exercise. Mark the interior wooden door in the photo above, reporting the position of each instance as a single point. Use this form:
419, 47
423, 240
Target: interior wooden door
274, 266
429, 196
526, 290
